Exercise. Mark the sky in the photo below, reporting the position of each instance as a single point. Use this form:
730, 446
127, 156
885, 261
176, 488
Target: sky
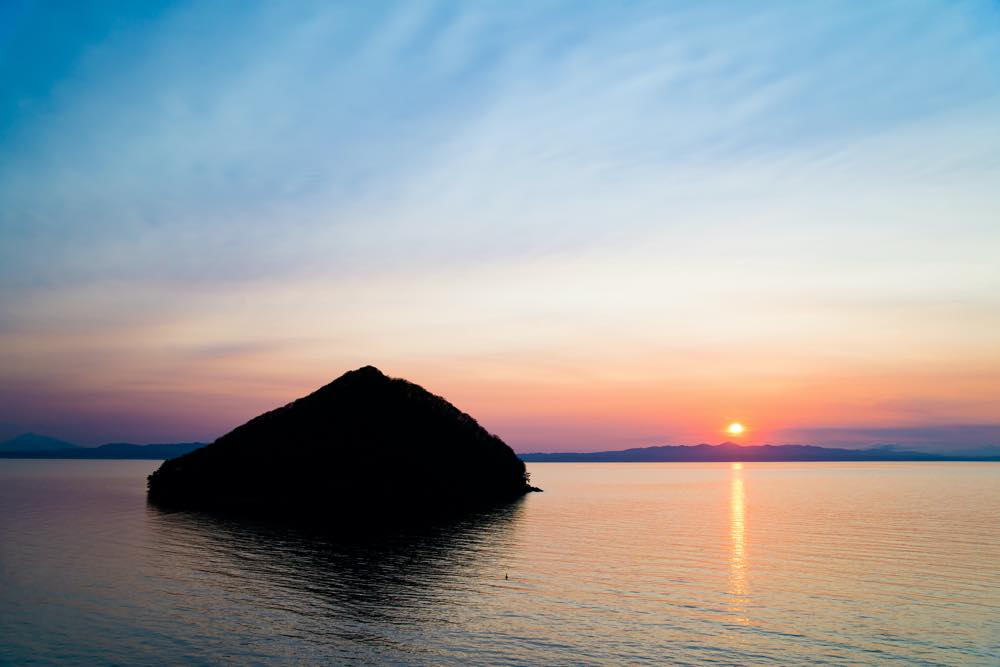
590, 225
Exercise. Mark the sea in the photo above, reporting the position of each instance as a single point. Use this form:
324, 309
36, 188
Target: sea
613, 564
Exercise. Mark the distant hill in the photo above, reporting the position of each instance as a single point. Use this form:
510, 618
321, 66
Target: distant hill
365, 446
729, 451
117, 450
32, 442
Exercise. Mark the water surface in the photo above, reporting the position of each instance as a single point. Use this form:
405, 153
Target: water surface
779, 563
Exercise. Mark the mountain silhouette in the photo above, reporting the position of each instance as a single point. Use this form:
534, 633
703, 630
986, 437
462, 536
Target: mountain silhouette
112, 450
730, 451
32, 442
363, 445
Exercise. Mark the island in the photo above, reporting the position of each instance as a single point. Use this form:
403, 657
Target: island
366, 445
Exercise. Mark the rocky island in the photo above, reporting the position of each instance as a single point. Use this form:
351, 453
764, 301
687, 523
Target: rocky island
364, 445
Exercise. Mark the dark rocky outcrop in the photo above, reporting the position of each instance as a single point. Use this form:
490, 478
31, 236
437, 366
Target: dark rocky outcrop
363, 445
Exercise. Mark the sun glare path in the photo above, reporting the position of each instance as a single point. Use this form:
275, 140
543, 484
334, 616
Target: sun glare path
738, 565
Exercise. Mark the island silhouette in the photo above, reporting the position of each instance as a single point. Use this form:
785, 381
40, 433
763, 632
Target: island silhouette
365, 445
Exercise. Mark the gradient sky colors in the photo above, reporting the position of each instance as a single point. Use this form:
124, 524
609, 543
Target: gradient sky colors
591, 225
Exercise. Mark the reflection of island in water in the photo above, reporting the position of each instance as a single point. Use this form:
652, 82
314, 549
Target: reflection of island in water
381, 594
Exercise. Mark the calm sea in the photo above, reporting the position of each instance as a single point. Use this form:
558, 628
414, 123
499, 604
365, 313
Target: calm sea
788, 563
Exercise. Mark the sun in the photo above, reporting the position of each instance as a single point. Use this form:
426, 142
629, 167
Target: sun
735, 428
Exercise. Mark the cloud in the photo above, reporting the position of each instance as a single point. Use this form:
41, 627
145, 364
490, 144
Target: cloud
671, 189
223, 139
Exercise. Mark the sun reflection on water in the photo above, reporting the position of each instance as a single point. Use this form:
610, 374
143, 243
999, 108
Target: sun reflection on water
738, 552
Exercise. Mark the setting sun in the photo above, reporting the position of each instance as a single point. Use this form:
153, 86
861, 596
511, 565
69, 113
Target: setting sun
735, 428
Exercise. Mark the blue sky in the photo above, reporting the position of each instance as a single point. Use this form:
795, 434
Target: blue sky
712, 209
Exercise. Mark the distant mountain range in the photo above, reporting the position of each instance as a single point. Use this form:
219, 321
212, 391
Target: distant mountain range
731, 452
32, 442
34, 446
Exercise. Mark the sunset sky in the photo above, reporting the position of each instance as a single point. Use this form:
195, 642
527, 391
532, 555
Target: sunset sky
590, 225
